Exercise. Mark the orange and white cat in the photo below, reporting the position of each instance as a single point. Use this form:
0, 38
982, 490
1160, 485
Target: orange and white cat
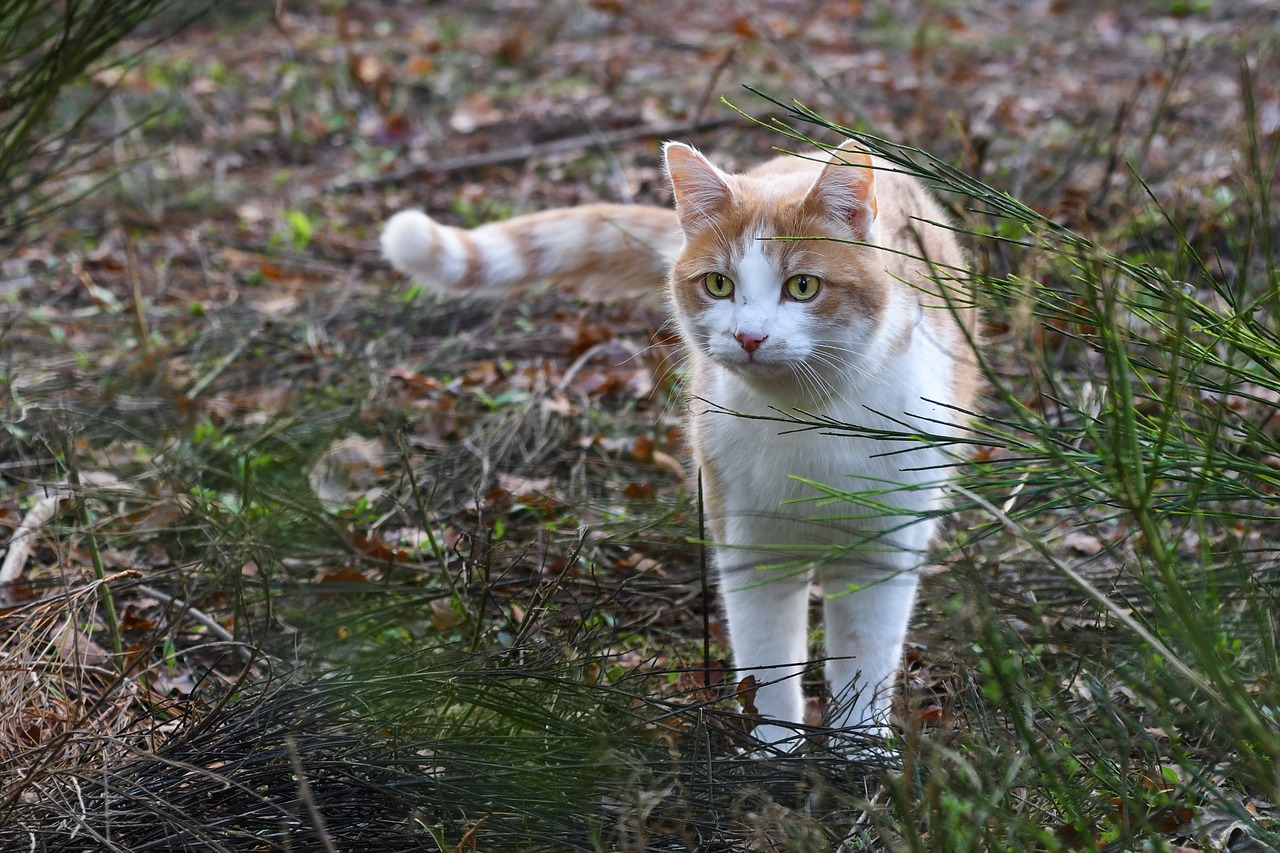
831, 291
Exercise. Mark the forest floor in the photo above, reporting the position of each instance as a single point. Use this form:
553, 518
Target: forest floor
293, 448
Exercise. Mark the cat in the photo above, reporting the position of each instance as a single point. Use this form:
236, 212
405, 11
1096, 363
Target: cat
825, 289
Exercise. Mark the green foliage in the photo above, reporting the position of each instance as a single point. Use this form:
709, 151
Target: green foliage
44, 48
1158, 452
470, 670
300, 228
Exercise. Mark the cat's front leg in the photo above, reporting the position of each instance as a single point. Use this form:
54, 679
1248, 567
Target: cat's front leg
865, 618
768, 629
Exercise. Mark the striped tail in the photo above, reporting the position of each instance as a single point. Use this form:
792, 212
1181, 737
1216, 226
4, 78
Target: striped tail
598, 251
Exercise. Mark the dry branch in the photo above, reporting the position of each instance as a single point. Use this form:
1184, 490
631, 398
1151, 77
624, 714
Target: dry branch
533, 151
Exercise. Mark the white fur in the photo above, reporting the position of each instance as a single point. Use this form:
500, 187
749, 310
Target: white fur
864, 557
500, 256
562, 239
451, 257
409, 242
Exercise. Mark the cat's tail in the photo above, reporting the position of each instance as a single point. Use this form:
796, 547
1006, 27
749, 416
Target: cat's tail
599, 251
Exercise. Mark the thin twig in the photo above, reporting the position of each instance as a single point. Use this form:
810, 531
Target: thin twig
45, 508
520, 153
712, 82
222, 365
135, 282
305, 797
194, 612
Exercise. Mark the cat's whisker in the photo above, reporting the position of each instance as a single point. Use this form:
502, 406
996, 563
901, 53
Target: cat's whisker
841, 366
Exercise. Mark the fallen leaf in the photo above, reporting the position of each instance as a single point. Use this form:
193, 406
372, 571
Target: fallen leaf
75, 647
525, 487
639, 491
474, 113
419, 66
746, 696
368, 69
349, 469
443, 614
131, 621
743, 28
1083, 543
667, 462
373, 545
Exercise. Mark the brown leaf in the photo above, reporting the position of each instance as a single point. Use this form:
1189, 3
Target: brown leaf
376, 547
525, 487
1083, 543
639, 491
559, 404
395, 129
271, 272
667, 462
746, 696
347, 574
419, 66
516, 47
586, 334
642, 450
75, 647
596, 383
416, 382
474, 113
131, 621
443, 614
930, 714
743, 28
482, 373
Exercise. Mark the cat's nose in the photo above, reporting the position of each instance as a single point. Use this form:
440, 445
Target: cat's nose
751, 341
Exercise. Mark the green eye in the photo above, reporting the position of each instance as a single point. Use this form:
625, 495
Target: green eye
802, 287
718, 285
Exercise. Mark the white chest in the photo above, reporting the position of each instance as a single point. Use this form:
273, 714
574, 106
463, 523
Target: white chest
771, 474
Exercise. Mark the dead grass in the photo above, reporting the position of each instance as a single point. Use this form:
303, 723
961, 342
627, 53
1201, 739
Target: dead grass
450, 542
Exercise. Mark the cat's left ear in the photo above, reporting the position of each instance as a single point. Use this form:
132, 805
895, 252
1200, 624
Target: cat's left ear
846, 191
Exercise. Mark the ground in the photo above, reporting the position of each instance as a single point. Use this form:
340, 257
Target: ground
293, 449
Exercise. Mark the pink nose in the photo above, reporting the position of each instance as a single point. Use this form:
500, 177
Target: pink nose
751, 341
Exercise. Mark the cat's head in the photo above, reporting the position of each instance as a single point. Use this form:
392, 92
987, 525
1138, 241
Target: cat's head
775, 280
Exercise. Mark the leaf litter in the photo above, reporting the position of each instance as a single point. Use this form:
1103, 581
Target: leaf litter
218, 333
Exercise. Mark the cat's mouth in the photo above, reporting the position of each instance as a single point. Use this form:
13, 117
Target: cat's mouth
758, 363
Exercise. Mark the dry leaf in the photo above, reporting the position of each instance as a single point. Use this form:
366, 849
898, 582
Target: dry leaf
525, 487
1083, 543
443, 614
418, 66
351, 468
74, 646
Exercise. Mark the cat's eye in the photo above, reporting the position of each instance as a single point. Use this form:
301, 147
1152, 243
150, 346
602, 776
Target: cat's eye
718, 285
802, 287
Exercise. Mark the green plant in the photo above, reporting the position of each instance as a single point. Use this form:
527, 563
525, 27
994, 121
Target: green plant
44, 48
1155, 456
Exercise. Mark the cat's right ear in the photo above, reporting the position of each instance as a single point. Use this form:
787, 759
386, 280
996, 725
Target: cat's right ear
702, 191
